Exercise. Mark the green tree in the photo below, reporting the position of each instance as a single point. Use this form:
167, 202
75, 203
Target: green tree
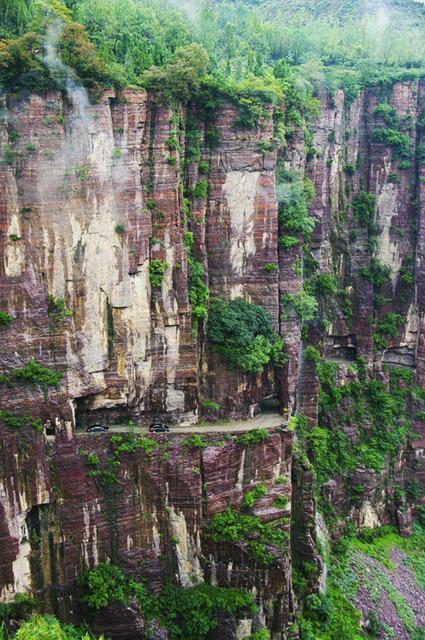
190, 614
304, 304
49, 628
133, 35
181, 77
102, 585
15, 17
295, 195
22, 67
242, 333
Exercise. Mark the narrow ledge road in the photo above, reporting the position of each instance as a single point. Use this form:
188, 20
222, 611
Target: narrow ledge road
261, 421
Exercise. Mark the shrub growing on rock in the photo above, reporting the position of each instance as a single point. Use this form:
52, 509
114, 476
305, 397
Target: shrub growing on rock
400, 144
261, 634
18, 609
16, 421
198, 291
200, 191
270, 267
363, 206
195, 441
304, 304
389, 325
231, 526
157, 268
56, 308
294, 199
387, 112
209, 406
187, 614
242, 333
102, 586
35, 373
253, 437
5, 319
287, 242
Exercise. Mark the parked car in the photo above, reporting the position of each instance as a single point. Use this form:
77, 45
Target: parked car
97, 428
159, 427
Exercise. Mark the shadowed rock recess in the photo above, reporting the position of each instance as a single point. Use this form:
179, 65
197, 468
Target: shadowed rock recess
103, 213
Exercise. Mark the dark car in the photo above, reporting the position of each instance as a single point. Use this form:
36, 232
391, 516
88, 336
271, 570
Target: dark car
159, 427
97, 428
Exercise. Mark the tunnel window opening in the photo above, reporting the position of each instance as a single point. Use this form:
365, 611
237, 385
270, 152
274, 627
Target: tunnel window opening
270, 404
341, 352
49, 428
86, 416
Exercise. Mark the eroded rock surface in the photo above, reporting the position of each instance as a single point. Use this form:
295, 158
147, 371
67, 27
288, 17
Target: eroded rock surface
85, 210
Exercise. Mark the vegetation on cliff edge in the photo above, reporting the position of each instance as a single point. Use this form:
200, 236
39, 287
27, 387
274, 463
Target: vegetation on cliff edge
242, 333
17, 621
187, 614
302, 45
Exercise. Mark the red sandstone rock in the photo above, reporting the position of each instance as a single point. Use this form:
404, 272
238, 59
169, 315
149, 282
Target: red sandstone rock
129, 350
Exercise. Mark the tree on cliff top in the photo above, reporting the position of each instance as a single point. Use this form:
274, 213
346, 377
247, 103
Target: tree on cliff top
133, 34
181, 77
322, 43
23, 67
20, 16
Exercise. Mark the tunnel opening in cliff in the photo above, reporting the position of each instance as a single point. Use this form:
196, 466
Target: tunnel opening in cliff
270, 404
87, 413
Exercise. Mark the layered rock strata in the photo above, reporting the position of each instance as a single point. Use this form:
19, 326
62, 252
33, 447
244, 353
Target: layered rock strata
87, 206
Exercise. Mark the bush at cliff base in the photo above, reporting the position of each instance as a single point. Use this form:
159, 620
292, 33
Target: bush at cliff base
49, 628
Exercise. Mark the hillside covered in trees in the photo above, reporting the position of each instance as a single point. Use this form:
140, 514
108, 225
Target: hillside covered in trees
252, 45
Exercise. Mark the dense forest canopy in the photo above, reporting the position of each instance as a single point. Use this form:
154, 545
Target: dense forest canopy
262, 43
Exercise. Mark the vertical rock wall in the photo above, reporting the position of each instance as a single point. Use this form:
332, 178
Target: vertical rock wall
241, 238
61, 518
86, 208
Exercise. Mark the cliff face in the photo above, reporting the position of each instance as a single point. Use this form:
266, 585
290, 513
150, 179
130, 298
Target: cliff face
150, 517
351, 160
90, 198
89, 204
